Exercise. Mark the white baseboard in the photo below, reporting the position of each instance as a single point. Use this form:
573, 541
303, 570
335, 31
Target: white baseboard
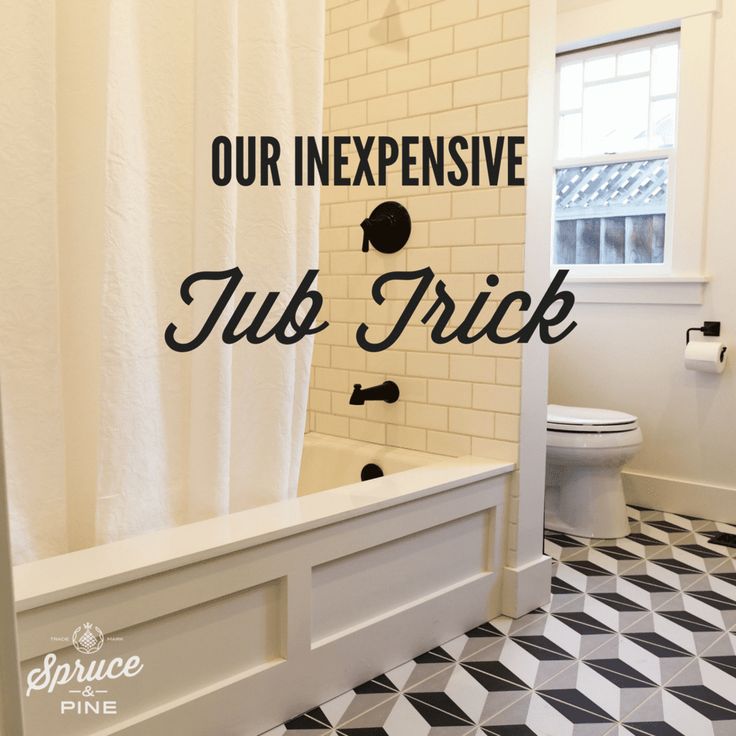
680, 496
527, 587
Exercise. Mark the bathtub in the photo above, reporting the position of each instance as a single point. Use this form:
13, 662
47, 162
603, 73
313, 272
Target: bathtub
240, 622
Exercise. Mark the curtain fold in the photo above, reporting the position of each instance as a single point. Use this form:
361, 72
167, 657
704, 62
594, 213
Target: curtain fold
107, 204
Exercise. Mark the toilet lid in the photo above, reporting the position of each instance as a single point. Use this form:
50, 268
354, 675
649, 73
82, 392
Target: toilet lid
584, 419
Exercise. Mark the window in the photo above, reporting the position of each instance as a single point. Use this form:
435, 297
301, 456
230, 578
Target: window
616, 136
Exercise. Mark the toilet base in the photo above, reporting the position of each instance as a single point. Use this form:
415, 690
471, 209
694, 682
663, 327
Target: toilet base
586, 501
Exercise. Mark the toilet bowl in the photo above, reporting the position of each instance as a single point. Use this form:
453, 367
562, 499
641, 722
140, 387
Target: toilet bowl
586, 449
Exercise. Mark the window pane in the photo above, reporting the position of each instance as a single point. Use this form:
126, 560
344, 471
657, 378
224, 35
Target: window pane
598, 69
571, 86
616, 116
665, 69
662, 122
633, 62
569, 135
611, 213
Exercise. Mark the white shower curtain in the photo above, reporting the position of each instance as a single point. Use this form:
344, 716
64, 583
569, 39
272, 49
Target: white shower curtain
107, 115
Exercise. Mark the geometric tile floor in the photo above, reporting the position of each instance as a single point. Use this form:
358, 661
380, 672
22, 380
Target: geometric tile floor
639, 639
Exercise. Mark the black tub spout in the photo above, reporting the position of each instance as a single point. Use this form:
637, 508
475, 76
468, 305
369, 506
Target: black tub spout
387, 391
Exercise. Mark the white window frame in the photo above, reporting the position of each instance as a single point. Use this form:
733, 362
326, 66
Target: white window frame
628, 270
681, 279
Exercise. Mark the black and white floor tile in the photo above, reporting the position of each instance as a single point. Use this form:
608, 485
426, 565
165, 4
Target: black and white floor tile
639, 639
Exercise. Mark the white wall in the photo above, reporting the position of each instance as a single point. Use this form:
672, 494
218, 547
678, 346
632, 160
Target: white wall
629, 356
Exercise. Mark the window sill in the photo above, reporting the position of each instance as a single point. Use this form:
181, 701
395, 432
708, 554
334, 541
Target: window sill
637, 289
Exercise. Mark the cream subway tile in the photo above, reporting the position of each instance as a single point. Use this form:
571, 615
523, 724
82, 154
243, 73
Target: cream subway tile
368, 193
390, 107
390, 362
472, 368
482, 259
324, 262
324, 215
417, 125
427, 416
460, 286
490, 7
349, 358
430, 45
347, 16
370, 34
496, 449
367, 431
396, 188
510, 258
503, 114
342, 407
452, 12
454, 122
474, 91
419, 237
508, 371
452, 232
321, 356
333, 335
471, 421
427, 365
408, 437
449, 393
438, 259
347, 310
359, 287
479, 32
365, 379
348, 263
475, 203
500, 57
363, 131
349, 65
505, 399
444, 443
516, 24
378, 263
350, 214
413, 389
330, 194
430, 99
333, 287
344, 116
391, 54
332, 425
507, 427
513, 200
319, 400
336, 93
386, 8
497, 350
333, 238
508, 282
455, 66
366, 86
414, 337
410, 23
420, 3
430, 207
329, 4
331, 379
326, 71
336, 44
380, 411
500, 230
410, 76
515, 83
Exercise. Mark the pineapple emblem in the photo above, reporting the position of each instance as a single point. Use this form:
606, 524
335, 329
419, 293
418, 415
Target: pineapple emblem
88, 639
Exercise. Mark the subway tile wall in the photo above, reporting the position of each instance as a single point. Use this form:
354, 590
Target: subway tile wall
413, 67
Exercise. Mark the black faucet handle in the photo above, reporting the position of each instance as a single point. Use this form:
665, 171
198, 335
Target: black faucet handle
387, 228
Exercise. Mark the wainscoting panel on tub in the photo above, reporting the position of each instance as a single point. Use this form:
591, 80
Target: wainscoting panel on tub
231, 617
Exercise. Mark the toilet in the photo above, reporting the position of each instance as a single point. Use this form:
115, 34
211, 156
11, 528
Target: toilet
586, 449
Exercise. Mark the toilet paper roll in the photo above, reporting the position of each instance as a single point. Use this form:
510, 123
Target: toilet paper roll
704, 356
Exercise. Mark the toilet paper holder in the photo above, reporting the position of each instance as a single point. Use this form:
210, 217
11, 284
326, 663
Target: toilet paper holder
709, 329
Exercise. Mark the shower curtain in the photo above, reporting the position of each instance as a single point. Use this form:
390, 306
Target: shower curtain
108, 112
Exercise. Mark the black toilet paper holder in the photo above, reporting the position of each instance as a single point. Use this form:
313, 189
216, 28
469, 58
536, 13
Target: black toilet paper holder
709, 329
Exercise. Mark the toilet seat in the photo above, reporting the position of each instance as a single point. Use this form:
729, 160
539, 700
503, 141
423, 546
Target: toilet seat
585, 420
